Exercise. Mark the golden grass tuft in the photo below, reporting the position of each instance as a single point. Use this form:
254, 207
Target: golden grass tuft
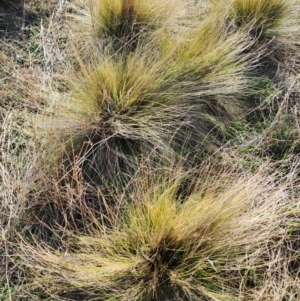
261, 14
219, 243
165, 103
275, 26
125, 22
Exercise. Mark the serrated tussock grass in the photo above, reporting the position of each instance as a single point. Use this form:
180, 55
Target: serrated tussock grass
123, 24
117, 119
264, 15
181, 236
163, 102
275, 26
222, 242
210, 62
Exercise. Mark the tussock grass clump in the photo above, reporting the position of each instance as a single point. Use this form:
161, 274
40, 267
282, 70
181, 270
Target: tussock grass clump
211, 64
222, 242
275, 27
125, 22
262, 15
119, 115
164, 103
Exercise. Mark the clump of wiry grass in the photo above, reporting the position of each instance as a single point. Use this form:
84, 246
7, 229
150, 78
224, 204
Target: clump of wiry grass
225, 241
116, 119
211, 63
263, 15
275, 25
124, 23
161, 103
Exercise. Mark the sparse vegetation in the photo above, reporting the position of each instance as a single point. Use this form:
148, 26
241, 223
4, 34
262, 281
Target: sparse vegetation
149, 150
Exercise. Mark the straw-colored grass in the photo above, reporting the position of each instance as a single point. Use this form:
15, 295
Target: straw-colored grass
97, 209
274, 25
220, 243
261, 14
124, 23
164, 103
